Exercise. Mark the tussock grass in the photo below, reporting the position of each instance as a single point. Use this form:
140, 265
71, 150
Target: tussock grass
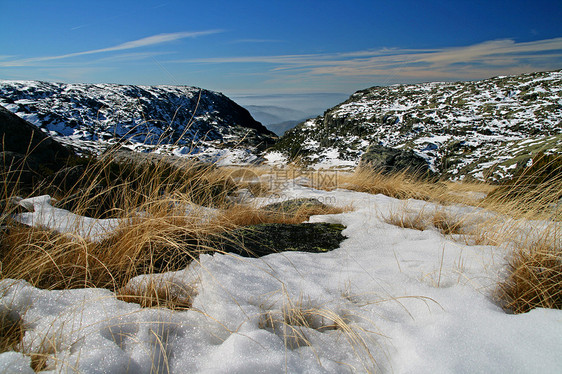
447, 223
297, 318
522, 216
408, 219
398, 185
156, 233
170, 213
11, 332
535, 275
246, 215
158, 293
443, 221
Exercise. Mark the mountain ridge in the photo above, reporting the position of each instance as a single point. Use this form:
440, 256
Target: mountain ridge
482, 129
182, 120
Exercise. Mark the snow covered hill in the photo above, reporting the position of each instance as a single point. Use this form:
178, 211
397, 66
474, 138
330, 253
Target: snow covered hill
170, 119
484, 129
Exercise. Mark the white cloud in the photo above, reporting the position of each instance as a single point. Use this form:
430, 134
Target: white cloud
478, 59
139, 43
239, 41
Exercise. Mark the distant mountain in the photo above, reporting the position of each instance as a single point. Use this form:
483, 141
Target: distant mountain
280, 128
269, 114
277, 111
167, 119
484, 129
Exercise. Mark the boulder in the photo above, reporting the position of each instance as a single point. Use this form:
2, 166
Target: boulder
293, 206
19, 136
392, 160
263, 239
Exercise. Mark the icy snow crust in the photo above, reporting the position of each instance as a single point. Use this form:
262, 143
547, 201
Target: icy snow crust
480, 128
416, 301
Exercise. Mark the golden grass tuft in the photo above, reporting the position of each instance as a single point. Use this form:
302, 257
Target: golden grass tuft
535, 275
11, 332
398, 185
421, 219
446, 223
408, 219
295, 320
158, 293
246, 215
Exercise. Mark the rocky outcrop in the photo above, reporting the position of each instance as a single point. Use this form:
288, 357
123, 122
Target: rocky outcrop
28, 155
21, 137
294, 205
268, 238
391, 160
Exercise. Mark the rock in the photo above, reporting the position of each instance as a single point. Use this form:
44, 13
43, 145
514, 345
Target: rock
268, 238
68, 177
292, 206
20, 136
16, 168
28, 155
392, 160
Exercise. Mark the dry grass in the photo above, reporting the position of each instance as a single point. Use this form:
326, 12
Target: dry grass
296, 319
534, 274
513, 216
245, 215
399, 185
408, 219
156, 234
447, 223
159, 293
11, 332
421, 219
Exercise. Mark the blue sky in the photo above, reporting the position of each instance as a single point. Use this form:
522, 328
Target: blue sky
277, 47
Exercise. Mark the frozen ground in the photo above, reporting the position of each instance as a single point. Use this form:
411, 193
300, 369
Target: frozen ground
388, 300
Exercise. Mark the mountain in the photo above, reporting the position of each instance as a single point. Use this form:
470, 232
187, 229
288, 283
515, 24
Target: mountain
270, 115
167, 119
280, 128
483, 129
275, 111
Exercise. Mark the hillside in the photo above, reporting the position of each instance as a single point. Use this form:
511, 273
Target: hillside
483, 129
169, 119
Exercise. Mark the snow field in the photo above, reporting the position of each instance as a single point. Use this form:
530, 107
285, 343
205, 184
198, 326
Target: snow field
389, 299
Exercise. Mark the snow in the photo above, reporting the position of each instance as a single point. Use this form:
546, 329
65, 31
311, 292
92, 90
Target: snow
15, 362
412, 301
274, 158
43, 214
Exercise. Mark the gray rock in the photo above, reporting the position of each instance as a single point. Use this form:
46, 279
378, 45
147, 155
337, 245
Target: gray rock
268, 238
292, 206
391, 160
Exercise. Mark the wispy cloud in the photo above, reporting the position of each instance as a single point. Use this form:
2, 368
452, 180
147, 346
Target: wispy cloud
476, 60
139, 43
239, 41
